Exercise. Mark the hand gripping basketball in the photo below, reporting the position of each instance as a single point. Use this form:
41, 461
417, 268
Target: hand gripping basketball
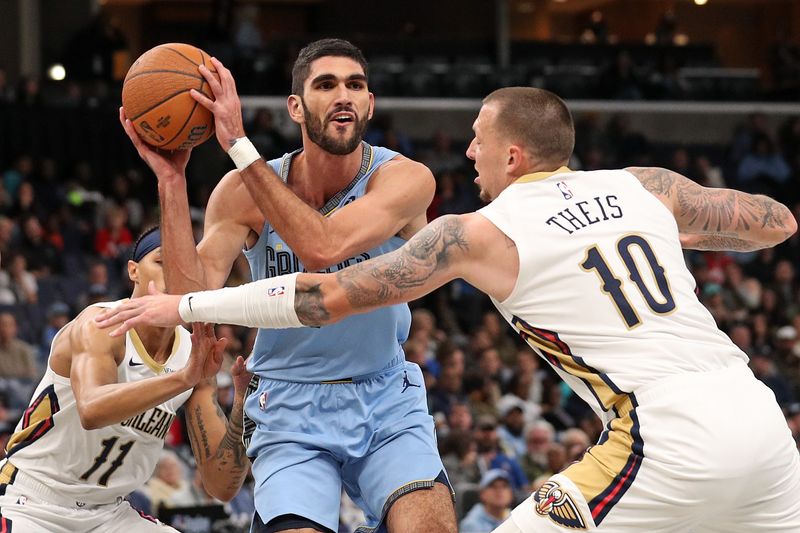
225, 106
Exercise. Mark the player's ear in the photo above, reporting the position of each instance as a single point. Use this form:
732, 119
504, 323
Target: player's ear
371, 105
133, 271
295, 106
514, 160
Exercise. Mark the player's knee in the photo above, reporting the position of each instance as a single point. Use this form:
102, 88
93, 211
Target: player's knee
424, 511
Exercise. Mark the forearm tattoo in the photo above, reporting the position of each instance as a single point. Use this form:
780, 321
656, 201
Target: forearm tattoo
390, 276
231, 456
732, 219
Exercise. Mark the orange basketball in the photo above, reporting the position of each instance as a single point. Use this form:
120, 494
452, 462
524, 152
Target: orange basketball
156, 96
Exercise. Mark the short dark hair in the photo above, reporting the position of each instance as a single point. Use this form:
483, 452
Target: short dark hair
318, 49
537, 119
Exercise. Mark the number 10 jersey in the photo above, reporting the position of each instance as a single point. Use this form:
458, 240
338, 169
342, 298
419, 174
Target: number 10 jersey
603, 292
96, 466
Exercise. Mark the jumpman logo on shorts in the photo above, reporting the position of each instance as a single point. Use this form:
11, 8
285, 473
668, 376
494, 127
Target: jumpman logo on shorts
407, 383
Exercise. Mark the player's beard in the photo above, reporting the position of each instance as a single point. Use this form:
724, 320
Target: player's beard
315, 128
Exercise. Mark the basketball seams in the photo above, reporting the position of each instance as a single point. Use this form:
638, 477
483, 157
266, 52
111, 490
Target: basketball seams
183, 126
168, 98
182, 72
167, 47
174, 73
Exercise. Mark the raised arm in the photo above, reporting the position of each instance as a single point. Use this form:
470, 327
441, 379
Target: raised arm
100, 398
187, 268
399, 192
216, 441
718, 219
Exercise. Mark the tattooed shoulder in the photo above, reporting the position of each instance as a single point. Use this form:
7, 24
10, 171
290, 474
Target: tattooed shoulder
658, 181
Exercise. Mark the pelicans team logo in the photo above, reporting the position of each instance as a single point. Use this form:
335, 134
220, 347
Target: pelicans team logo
553, 502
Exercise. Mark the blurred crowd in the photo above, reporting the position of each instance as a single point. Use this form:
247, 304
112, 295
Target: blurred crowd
505, 421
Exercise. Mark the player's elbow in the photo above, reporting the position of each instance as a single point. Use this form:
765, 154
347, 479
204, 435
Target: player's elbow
316, 259
90, 417
785, 228
220, 491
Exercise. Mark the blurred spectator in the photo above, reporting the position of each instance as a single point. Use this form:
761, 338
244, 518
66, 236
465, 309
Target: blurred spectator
26, 203
765, 369
442, 157
552, 408
17, 357
265, 136
14, 176
496, 498
168, 486
529, 364
22, 282
538, 438
707, 174
491, 455
8, 232
43, 258
382, 132
511, 410
121, 197
113, 240
575, 442
763, 168
497, 329
57, 318
459, 453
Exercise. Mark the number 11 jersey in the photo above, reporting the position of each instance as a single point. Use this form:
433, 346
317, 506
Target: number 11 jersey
96, 466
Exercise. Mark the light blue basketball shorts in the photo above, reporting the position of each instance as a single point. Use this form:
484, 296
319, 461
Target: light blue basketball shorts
371, 434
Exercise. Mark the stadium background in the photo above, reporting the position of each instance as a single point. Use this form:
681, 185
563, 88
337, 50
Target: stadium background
709, 89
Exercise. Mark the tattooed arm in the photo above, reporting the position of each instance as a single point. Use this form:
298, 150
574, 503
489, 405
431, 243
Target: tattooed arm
216, 441
454, 246
465, 246
718, 219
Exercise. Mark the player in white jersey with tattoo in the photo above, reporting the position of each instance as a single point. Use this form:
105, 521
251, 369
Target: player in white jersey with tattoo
95, 427
588, 268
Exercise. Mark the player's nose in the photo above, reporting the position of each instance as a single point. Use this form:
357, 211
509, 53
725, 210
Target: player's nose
471, 150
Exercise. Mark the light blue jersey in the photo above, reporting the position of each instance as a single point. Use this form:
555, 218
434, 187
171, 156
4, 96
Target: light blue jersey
358, 345
338, 406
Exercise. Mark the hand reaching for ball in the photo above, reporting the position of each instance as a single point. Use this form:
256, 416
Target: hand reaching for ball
225, 106
164, 164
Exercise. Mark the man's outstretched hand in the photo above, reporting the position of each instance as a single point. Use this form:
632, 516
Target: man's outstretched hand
155, 309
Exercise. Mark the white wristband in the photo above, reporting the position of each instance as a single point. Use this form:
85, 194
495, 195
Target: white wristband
267, 303
243, 153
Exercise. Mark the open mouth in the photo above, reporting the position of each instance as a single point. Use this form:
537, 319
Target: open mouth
343, 118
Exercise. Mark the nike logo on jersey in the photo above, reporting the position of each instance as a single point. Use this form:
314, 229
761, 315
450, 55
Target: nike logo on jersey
131, 363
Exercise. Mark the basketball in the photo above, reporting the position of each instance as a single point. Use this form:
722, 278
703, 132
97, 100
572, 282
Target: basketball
156, 99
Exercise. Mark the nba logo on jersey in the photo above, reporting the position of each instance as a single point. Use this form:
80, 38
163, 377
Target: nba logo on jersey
276, 291
262, 400
564, 190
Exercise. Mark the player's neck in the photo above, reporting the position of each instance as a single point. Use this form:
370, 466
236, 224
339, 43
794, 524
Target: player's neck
157, 342
321, 174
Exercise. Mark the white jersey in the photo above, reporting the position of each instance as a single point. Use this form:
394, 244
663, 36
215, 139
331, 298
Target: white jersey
101, 465
603, 291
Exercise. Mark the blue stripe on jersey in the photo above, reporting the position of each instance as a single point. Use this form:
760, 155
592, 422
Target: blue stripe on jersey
358, 345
